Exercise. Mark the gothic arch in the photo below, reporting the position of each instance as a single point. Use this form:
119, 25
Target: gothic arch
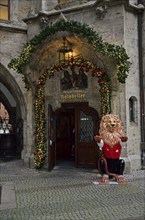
10, 83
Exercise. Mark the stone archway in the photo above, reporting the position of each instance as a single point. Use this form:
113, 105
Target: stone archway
13, 99
39, 104
8, 80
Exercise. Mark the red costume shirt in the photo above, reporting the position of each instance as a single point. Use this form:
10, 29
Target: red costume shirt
113, 152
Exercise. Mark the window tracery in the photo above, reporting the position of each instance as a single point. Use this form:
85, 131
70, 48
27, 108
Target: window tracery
133, 109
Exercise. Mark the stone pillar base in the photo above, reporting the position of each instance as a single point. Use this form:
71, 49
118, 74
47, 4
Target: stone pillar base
135, 162
28, 159
31, 161
127, 165
132, 163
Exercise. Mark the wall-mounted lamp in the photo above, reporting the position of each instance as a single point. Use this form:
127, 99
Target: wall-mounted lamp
65, 51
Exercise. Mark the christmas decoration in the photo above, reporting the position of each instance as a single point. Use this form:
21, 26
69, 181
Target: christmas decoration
39, 104
110, 141
114, 52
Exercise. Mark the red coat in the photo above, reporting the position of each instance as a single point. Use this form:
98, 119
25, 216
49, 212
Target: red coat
111, 152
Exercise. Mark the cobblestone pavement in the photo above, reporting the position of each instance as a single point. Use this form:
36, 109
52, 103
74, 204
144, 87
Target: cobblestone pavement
69, 194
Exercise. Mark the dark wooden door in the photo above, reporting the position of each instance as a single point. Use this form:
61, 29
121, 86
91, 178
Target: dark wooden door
87, 125
51, 139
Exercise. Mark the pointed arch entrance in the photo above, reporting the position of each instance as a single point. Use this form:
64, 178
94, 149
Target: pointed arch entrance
39, 104
75, 126
11, 126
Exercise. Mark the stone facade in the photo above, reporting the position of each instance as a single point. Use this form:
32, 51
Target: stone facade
117, 23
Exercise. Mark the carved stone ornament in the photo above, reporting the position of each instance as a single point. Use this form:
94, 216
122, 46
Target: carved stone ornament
101, 9
44, 21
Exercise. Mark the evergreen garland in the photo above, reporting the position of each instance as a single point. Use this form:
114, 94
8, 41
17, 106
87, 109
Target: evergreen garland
115, 52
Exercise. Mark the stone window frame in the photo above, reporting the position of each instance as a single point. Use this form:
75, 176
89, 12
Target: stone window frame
62, 1
133, 112
7, 7
68, 3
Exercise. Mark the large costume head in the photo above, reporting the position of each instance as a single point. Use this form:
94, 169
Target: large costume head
110, 129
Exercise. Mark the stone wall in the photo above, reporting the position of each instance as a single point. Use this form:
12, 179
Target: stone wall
117, 27
132, 90
143, 94
121, 31
13, 38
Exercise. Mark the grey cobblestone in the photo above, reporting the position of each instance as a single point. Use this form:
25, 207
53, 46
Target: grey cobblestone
69, 194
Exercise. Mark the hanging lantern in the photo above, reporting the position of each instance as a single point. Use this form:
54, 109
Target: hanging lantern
65, 51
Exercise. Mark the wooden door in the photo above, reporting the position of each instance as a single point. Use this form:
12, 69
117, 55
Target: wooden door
87, 126
51, 139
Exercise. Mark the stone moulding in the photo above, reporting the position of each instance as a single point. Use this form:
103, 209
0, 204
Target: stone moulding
134, 8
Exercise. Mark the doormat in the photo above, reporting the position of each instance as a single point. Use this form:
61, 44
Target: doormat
110, 182
7, 159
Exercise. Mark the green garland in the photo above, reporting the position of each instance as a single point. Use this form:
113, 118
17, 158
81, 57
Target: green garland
115, 52
39, 104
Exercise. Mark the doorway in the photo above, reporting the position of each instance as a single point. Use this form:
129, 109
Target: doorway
75, 127
65, 136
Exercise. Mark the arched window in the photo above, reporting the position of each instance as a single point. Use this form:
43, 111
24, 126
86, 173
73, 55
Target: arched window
133, 109
4, 10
